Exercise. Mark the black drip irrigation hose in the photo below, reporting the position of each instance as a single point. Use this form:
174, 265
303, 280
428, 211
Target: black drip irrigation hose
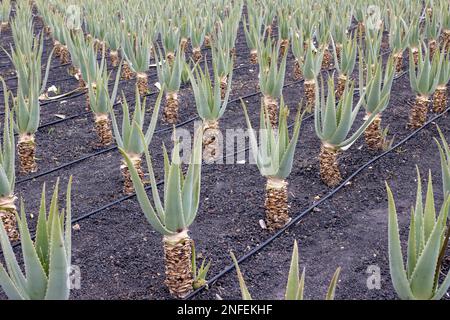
301, 215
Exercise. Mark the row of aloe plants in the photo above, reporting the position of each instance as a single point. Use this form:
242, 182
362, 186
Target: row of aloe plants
275, 150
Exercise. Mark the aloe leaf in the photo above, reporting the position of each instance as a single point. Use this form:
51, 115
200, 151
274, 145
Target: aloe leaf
244, 290
398, 274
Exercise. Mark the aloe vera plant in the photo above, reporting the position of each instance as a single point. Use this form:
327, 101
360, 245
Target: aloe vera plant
7, 171
398, 40
444, 9
170, 35
210, 107
433, 28
47, 260
136, 50
345, 62
311, 70
427, 241
200, 273
295, 287
26, 104
113, 40
333, 122
83, 55
173, 217
253, 23
283, 19
298, 46
274, 156
100, 101
5, 11
440, 95
414, 39
222, 65
169, 75
127, 137
271, 77
197, 35
424, 79
323, 39
378, 93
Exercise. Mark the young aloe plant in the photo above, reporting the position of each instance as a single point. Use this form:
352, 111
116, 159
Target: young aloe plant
210, 108
283, 19
113, 40
222, 64
295, 284
128, 138
333, 123
169, 76
101, 101
424, 79
440, 96
444, 9
199, 274
136, 50
5, 11
323, 40
170, 35
47, 260
339, 35
378, 90
433, 28
27, 105
398, 40
197, 35
84, 57
345, 62
253, 30
427, 242
7, 172
185, 31
181, 201
274, 155
271, 77
298, 50
311, 70
414, 39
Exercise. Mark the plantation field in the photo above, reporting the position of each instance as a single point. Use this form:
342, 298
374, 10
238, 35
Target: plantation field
120, 256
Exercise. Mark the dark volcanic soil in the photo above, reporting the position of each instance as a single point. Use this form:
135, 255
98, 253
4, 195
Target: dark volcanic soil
120, 256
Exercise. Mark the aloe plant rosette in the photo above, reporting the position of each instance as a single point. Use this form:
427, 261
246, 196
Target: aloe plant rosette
5, 10
378, 89
333, 123
169, 76
311, 70
101, 101
427, 242
274, 156
210, 108
136, 50
47, 260
345, 62
7, 173
173, 217
271, 77
398, 40
128, 137
424, 80
440, 95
